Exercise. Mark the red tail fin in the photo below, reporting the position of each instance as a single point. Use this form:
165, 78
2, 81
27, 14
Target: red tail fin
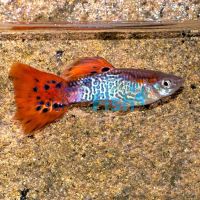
39, 96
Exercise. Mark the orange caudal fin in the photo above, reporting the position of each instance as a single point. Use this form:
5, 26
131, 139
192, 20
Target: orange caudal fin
39, 96
86, 66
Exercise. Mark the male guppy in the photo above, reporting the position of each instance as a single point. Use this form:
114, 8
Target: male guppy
43, 97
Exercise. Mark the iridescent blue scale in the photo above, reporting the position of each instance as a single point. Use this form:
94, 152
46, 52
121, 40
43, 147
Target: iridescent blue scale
107, 87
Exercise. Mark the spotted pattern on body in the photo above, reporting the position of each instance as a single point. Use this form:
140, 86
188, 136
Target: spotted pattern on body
109, 87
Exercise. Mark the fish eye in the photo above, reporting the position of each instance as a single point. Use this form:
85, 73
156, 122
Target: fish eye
166, 83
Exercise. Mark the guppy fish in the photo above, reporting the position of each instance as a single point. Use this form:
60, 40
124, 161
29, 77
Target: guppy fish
43, 97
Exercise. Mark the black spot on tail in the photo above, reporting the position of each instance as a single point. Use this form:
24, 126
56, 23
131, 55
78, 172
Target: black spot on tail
48, 104
35, 89
45, 110
41, 102
46, 87
58, 85
55, 105
38, 108
61, 105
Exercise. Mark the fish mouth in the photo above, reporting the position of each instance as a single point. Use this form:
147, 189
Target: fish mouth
179, 86
180, 82
177, 81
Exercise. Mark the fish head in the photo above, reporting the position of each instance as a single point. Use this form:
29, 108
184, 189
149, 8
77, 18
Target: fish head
167, 84
163, 85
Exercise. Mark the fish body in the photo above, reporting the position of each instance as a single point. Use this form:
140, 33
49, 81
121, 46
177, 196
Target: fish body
122, 88
43, 97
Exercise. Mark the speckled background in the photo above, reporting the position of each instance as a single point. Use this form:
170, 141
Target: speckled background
152, 153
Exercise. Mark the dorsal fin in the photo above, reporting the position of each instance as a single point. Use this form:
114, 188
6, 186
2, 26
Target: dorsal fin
86, 66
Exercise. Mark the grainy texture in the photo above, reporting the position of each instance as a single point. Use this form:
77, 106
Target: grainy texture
93, 10
152, 153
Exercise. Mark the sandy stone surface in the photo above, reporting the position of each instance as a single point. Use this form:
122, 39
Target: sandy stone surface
93, 10
151, 153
